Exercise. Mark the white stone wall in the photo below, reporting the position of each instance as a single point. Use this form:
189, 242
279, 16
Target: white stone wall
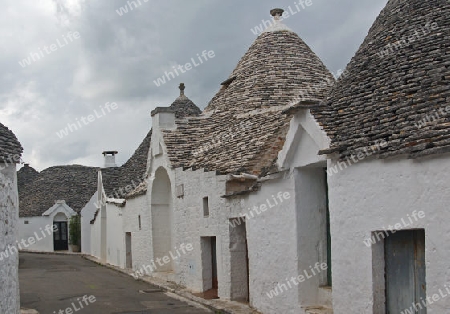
115, 236
9, 216
141, 238
271, 237
96, 237
191, 225
34, 229
87, 214
368, 197
272, 244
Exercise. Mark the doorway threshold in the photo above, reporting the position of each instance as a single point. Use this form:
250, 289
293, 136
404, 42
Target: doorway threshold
208, 295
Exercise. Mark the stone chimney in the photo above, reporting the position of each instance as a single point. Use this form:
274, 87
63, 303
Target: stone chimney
164, 117
276, 13
110, 158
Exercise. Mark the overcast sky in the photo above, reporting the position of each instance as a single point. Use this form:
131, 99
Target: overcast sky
99, 56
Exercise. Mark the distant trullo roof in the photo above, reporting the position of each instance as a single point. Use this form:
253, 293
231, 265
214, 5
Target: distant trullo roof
38, 191
397, 86
183, 106
10, 147
243, 128
77, 184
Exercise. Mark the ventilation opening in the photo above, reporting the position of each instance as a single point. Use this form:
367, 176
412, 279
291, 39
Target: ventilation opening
205, 207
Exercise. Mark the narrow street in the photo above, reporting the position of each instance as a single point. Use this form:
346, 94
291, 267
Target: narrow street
51, 283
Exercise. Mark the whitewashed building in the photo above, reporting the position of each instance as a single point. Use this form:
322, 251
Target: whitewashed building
47, 202
37, 227
10, 153
205, 173
297, 194
389, 166
102, 219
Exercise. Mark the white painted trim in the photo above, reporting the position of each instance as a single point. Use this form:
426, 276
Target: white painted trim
303, 121
52, 211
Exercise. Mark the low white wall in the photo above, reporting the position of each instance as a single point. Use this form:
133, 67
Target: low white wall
36, 228
87, 214
370, 196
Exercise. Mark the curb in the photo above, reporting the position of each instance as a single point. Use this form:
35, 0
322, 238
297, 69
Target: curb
52, 253
28, 311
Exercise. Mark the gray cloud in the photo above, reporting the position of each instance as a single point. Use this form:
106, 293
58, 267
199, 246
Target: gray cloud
117, 58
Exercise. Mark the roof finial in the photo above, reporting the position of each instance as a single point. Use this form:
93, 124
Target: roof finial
182, 87
276, 13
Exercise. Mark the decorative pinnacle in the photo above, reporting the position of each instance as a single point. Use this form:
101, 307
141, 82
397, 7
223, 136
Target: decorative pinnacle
181, 87
276, 13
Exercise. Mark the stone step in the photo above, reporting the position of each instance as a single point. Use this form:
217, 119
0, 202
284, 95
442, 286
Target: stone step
318, 310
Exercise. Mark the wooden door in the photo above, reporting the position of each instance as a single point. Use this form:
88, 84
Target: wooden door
405, 271
129, 260
215, 283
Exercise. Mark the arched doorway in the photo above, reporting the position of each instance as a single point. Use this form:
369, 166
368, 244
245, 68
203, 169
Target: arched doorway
162, 218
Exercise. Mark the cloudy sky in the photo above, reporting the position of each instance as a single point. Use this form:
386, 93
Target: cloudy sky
82, 54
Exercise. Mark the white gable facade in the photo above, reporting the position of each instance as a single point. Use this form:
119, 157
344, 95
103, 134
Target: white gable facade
41, 228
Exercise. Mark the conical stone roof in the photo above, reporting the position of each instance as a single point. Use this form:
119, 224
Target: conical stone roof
26, 175
183, 106
10, 147
244, 126
396, 89
75, 184
277, 68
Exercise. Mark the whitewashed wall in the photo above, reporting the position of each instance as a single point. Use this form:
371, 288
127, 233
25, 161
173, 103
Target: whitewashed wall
272, 244
87, 214
9, 214
371, 195
191, 225
141, 241
96, 237
115, 236
36, 225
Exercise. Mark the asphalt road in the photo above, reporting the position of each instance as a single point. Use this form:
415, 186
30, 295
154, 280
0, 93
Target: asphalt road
56, 284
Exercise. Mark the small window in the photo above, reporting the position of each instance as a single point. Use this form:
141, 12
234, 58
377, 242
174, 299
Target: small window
26, 222
139, 220
205, 207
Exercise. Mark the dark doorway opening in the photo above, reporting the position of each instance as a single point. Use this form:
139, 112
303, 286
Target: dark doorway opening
215, 283
209, 268
129, 259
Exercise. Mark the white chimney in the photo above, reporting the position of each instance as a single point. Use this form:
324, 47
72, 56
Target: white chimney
163, 118
110, 159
